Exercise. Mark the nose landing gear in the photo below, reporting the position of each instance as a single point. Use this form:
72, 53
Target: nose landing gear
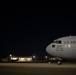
59, 62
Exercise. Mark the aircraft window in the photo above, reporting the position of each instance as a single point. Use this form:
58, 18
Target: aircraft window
68, 42
59, 42
71, 42
53, 46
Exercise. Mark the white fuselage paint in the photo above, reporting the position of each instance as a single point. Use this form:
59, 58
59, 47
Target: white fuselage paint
66, 48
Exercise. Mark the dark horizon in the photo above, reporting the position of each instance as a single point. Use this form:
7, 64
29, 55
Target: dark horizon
29, 29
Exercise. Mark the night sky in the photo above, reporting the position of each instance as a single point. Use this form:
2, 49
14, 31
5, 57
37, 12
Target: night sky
27, 29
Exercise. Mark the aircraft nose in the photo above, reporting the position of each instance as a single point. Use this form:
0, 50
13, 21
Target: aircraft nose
48, 49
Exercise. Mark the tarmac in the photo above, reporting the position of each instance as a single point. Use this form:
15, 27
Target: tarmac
37, 69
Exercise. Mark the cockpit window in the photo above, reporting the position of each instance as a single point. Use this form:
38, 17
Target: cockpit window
54, 42
53, 46
59, 42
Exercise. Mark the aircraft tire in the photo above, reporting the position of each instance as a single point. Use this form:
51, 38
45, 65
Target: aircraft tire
59, 62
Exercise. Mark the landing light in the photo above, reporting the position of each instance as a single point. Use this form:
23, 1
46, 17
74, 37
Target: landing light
45, 56
69, 46
33, 56
10, 55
